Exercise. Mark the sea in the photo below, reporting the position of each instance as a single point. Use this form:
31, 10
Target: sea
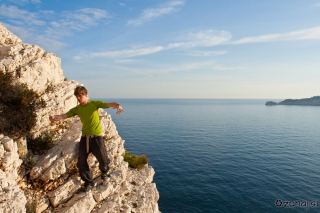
221, 155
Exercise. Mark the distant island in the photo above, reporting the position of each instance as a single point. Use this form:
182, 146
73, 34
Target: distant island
313, 101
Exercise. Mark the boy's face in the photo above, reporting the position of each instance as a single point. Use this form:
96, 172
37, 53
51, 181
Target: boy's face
83, 99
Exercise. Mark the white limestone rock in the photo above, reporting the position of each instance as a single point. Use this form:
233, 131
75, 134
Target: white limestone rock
12, 198
55, 171
103, 191
107, 125
125, 190
42, 204
45, 163
119, 174
10, 160
143, 198
111, 205
59, 100
147, 193
8, 144
1, 151
31, 65
126, 208
121, 177
22, 146
126, 187
138, 191
7, 38
66, 149
64, 192
83, 202
141, 176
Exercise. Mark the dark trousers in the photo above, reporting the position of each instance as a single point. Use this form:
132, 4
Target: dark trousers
98, 149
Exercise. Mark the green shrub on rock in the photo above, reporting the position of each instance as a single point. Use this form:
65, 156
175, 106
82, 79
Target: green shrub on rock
18, 106
42, 143
29, 161
135, 161
31, 206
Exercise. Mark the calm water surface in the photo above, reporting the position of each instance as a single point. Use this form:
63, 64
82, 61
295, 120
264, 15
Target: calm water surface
226, 155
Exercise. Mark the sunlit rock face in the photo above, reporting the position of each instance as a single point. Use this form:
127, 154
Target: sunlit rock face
53, 182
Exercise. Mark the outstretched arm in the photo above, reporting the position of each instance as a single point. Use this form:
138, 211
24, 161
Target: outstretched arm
56, 118
117, 106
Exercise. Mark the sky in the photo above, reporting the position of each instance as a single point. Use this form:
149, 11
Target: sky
224, 49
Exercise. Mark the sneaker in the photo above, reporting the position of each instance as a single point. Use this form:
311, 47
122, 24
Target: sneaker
88, 187
103, 176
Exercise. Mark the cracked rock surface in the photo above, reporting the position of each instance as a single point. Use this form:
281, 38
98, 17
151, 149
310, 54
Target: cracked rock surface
53, 182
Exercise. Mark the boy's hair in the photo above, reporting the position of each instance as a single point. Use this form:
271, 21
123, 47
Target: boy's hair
80, 90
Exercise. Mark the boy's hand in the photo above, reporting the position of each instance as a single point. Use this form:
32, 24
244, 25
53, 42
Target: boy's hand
56, 118
53, 119
119, 109
117, 106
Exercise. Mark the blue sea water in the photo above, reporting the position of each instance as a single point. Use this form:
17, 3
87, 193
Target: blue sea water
226, 155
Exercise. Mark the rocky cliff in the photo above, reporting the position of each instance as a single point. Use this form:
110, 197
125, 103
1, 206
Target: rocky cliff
53, 184
313, 101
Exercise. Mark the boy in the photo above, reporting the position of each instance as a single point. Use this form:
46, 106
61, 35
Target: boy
92, 138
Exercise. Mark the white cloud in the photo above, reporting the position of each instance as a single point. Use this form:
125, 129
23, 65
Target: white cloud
154, 71
94, 12
14, 13
22, 2
21, 32
47, 12
206, 65
182, 67
84, 18
69, 25
76, 20
209, 38
48, 34
55, 24
206, 53
124, 5
57, 32
17, 22
305, 34
151, 13
127, 53
212, 38
317, 5
77, 58
220, 67
124, 61
46, 42
204, 38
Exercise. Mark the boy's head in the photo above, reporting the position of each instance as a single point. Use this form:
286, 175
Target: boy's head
82, 95
80, 90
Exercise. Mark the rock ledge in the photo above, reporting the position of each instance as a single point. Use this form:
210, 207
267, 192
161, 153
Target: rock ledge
53, 182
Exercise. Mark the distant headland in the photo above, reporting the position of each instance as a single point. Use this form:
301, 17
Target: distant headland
313, 101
